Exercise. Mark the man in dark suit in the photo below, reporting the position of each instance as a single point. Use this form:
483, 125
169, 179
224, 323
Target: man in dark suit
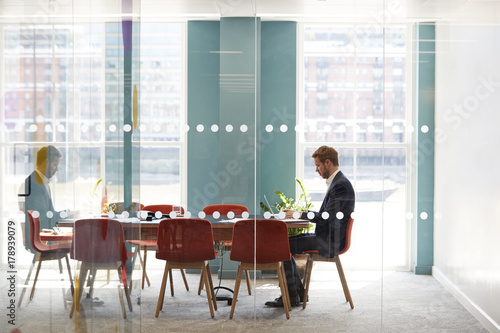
331, 221
37, 190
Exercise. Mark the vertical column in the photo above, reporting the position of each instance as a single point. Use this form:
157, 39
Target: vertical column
424, 242
203, 109
278, 109
239, 107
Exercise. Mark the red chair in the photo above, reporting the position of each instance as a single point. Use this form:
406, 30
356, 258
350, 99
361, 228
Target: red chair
99, 244
224, 209
150, 245
44, 252
186, 243
313, 256
262, 244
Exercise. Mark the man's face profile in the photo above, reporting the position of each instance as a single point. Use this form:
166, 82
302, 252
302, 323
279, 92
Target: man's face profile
321, 168
52, 167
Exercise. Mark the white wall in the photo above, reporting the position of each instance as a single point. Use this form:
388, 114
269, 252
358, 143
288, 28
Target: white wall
467, 167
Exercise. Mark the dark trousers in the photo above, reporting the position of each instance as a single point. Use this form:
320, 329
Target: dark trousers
298, 244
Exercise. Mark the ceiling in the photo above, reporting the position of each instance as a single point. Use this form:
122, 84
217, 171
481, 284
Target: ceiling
381, 11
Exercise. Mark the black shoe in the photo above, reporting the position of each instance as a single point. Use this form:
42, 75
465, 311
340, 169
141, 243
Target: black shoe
278, 302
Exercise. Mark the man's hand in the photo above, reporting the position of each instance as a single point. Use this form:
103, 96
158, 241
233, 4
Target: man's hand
289, 213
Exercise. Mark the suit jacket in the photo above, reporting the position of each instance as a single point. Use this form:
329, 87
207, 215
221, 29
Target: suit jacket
37, 198
331, 232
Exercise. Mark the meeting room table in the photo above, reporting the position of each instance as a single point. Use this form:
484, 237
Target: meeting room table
135, 228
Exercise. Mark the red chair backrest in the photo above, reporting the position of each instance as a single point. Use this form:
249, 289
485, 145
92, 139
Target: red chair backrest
34, 231
98, 241
185, 240
164, 209
348, 232
270, 237
223, 209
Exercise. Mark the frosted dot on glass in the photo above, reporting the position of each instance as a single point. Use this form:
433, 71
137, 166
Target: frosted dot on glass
39, 118
310, 215
370, 128
156, 128
33, 128
396, 129
61, 128
200, 128
216, 215
125, 214
143, 128
214, 128
158, 215
243, 128
36, 214
202, 215
353, 215
325, 215
172, 214
410, 129
269, 128
327, 128
48, 128
229, 128
18, 128
50, 214
127, 128
143, 214
339, 215
112, 128
424, 129
186, 128
296, 215
111, 215
98, 128
409, 215
267, 215
84, 128
424, 215
63, 214
187, 214
230, 215
281, 215
245, 215
283, 128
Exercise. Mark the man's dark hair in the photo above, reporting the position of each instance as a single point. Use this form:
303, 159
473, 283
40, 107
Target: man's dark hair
324, 153
47, 153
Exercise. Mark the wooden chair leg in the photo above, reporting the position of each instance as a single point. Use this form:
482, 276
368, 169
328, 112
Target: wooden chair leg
27, 279
161, 296
127, 292
185, 280
307, 280
171, 282
284, 289
236, 290
211, 283
249, 283
200, 285
343, 280
143, 263
120, 296
70, 277
36, 278
209, 289
78, 296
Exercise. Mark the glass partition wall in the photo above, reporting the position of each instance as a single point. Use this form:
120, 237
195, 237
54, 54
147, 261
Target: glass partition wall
157, 104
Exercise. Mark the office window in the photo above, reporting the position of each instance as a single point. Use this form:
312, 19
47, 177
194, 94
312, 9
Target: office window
373, 152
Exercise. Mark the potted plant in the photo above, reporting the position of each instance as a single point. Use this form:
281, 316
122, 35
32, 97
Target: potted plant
302, 203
